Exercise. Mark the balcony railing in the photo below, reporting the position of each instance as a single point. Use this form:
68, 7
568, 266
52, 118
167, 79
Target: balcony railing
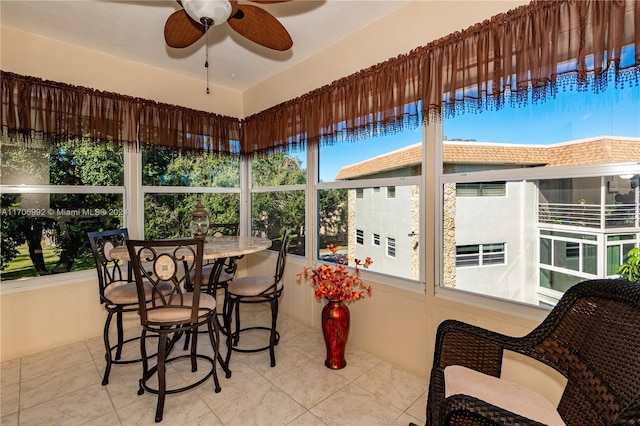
589, 215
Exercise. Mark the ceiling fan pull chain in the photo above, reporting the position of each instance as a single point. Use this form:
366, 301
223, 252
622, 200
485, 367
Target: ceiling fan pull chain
206, 50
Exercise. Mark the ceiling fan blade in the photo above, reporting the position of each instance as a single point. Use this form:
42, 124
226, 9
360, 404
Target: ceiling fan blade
261, 27
182, 31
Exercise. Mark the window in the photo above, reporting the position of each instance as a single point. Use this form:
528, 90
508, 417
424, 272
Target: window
391, 247
52, 195
480, 255
278, 183
173, 184
391, 192
484, 189
542, 191
355, 181
617, 248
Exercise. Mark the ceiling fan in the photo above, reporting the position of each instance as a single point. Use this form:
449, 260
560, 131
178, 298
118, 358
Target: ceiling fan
186, 26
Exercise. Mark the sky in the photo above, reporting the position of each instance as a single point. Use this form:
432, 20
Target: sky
570, 116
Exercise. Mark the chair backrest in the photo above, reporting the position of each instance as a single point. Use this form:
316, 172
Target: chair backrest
219, 229
109, 269
592, 337
163, 267
282, 256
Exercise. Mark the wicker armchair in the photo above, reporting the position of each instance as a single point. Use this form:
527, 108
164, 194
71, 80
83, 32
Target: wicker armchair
592, 337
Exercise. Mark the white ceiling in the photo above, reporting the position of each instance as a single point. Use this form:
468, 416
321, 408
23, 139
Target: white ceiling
133, 29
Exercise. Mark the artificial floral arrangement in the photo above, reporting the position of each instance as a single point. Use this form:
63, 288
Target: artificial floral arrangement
335, 282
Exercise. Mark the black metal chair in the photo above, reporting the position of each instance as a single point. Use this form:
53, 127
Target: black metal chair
117, 292
591, 337
256, 289
170, 315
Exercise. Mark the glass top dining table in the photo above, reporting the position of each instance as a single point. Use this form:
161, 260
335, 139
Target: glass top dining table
216, 247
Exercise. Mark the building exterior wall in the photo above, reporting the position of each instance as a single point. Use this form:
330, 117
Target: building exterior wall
397, 218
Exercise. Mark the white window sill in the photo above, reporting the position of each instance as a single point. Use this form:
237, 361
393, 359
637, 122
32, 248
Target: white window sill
49, 281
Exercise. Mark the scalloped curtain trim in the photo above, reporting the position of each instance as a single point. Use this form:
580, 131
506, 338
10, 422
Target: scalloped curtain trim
521, 56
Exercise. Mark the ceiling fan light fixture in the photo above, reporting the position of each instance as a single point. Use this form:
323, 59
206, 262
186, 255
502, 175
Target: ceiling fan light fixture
208, 12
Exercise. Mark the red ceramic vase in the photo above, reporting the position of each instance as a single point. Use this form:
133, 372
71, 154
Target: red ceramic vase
335, 327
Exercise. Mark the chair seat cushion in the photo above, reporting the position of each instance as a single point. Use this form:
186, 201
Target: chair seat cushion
125, 292
180, 308
502, 393
252, 285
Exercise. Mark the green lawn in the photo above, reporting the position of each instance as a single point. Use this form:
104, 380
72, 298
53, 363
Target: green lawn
21, 266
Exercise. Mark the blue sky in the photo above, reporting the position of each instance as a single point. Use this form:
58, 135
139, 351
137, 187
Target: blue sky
570, 116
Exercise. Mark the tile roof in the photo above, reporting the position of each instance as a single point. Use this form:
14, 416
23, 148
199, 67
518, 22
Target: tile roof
601, 150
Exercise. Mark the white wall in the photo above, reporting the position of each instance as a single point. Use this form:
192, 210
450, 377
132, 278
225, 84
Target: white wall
510, 220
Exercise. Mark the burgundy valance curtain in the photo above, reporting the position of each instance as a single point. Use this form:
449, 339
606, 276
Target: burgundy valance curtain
35, 108
524, 55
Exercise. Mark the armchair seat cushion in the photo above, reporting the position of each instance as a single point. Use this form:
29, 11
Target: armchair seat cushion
501, 393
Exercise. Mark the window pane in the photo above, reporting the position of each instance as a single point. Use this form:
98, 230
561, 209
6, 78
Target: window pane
273, 212
64, 163
342, 213
169, 168
279, 169
394, 155
169, 215
46, 234
573, 236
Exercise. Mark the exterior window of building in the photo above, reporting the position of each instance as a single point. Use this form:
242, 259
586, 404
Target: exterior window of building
52, 195
376, 239
617, 248
359, 236
391, 247
480, 255
391, 192
359, 193
483, 189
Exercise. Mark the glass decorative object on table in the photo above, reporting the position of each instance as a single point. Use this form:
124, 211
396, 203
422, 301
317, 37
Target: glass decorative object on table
199, 224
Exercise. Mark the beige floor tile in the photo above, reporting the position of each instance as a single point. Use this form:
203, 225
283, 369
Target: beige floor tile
59, 358
310, 383
354, 406
179, 409
110, 419
358, 362
9, 420
59, 382
208, 419
404, 419
307, 419
286, 359
10, 399
243, 379
75, 408
309, 343
10, 372
398, 387
264, 405
419, 409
